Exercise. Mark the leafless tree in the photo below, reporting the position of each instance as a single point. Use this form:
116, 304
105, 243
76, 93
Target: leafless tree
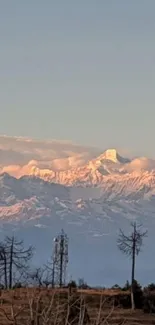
14, 259
49, 274
12, 316
3, 265
37, 277
131, 245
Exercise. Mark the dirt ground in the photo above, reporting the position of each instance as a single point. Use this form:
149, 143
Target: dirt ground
35, 306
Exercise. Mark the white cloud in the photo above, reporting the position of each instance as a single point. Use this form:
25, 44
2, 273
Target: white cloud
18, 156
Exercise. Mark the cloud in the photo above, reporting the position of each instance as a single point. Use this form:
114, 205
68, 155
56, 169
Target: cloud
18, 156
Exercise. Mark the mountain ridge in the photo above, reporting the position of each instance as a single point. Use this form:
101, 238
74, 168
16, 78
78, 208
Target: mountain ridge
91, 202
108, 164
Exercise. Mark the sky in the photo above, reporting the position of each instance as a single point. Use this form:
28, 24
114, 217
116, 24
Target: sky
79, 70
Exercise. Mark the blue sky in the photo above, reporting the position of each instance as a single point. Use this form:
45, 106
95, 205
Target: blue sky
79, 70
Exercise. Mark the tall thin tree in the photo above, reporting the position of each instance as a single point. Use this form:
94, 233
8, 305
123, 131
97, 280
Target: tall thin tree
3, 265
131, 245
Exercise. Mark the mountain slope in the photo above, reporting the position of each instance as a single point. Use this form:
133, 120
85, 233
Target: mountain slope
91, 203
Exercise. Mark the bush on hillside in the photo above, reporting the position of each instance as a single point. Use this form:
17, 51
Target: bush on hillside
82, 284
116, 287
72, 284
124, 300
138, 295
150, 288
17, 285
127, 286
149, 303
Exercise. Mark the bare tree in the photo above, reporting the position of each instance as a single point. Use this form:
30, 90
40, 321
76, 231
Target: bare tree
131, 246
37, 277
3, 265
50, 269
14, 259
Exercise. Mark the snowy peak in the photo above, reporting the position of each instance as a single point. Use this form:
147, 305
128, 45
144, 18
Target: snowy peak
109, 162
113, 156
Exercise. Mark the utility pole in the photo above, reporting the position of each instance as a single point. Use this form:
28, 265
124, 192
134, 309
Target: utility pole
60, 259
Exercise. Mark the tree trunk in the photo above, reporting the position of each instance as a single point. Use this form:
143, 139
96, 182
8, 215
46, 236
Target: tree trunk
5, 272
133, 269
11, 264
53, 273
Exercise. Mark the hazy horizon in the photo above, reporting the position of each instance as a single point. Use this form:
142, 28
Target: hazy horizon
80, 71
126, 151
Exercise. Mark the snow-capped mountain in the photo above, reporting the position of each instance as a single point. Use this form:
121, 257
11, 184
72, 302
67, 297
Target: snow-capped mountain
91, 202
112, 155
108, 168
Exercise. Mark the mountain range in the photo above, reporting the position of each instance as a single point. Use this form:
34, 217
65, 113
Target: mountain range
90, 199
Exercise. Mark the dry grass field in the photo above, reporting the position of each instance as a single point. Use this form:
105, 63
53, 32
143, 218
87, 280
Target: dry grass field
34, 306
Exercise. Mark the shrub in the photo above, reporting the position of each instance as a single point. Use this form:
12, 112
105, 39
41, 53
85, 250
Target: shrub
138, 295
149, 303
127, 286
150, 287
116, 287
82, 284
17, 285
123, 300
72, 284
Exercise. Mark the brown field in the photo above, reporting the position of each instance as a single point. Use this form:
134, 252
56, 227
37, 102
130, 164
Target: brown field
34, 306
